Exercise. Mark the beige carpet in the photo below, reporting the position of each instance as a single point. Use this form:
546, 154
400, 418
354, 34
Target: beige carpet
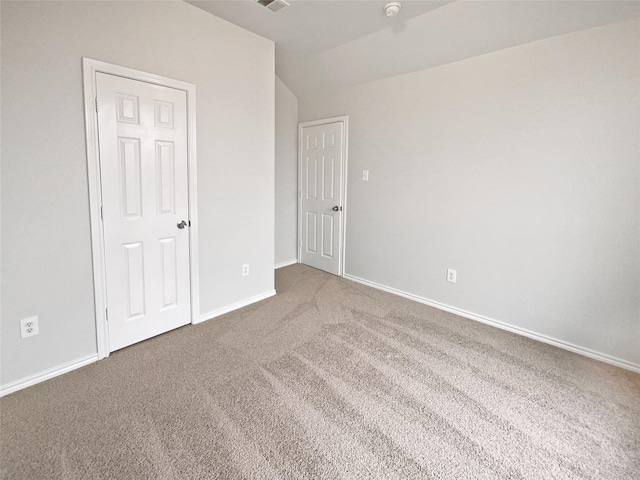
329, 379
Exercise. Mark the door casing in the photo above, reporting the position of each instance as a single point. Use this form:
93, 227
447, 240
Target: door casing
344, 119
90, 68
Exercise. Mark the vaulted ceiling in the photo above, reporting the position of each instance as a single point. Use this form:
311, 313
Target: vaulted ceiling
329, 44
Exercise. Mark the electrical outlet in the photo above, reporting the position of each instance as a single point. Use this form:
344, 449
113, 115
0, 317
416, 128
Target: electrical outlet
245, 270
29, 327
451, 276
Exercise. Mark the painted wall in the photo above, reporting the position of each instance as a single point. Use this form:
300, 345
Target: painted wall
46, 256
286, 174
520, 170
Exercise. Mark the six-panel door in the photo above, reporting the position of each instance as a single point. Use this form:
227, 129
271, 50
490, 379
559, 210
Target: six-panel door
144, 178
321, 205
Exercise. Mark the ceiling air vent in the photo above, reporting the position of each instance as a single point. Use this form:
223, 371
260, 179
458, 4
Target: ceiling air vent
274, 5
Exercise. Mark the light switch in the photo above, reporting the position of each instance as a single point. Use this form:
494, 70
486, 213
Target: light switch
365, 175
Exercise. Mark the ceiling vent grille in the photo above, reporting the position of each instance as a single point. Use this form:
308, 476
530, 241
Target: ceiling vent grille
274, 5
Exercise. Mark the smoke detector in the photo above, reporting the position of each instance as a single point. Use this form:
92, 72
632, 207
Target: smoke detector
392, 9
274, 5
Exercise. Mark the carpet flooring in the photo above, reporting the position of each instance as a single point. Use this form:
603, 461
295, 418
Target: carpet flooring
329, 379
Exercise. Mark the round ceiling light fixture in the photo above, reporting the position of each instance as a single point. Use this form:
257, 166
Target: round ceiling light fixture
392, 9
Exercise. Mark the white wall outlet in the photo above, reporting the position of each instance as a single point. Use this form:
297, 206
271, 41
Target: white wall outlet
29, 327
365, 175
451, 276
245, 270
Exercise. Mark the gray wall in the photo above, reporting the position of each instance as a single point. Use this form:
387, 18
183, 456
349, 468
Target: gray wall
286, 174
46, 256
519, 169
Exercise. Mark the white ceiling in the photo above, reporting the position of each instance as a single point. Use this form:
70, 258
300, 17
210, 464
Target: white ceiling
328, 44
311, 26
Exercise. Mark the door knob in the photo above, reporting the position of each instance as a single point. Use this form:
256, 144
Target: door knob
182, 224
337, 209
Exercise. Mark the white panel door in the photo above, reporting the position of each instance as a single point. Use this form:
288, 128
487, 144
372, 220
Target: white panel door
321, 177
143, 167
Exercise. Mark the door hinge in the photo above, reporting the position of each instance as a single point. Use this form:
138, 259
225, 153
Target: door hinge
300, 193
96, 104
101, 214
299, 243
106, 314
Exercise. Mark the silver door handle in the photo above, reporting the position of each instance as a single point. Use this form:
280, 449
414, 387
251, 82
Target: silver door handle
182, 224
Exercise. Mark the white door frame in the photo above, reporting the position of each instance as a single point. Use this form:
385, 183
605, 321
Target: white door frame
90, 68
343, 201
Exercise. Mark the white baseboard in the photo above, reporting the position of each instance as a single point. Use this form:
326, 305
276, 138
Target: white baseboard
587, 352
46, 375
81, 362
230, 308
286, 264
